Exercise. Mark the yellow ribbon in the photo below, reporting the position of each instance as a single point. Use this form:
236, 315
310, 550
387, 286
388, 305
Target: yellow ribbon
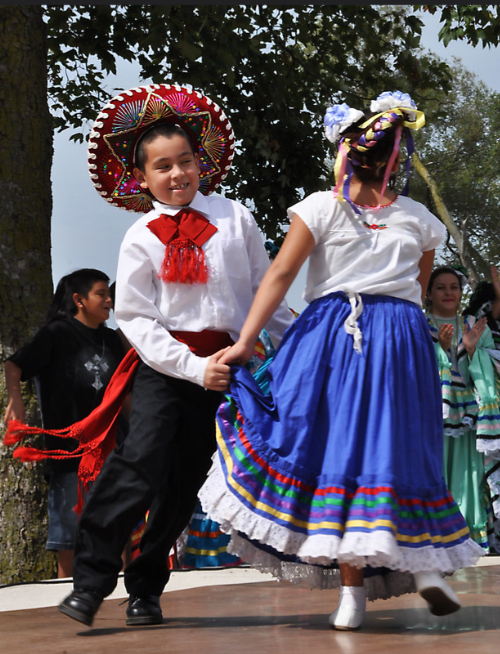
341, 156
415, 124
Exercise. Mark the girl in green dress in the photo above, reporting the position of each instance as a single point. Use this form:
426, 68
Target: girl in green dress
471, 410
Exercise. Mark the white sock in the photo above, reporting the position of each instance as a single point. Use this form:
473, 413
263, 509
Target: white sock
352, 597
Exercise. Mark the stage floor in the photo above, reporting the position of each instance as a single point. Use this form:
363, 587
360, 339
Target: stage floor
261, 617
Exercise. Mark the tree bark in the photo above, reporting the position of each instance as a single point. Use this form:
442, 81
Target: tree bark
25, 269
463, 246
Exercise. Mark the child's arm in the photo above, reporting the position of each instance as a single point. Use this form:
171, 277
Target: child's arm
142, 323
425, 266
296, 247
15, 407
478, 367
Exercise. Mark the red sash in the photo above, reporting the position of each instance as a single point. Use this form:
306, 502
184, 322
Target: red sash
204, 343
97, 432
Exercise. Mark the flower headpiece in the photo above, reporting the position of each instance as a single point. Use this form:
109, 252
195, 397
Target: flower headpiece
126, 117
390, 100
391, 107
338, 118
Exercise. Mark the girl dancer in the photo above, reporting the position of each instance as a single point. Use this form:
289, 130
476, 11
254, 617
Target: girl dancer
340, 464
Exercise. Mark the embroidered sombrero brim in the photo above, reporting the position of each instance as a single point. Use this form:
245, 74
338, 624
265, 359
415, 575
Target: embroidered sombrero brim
127, 116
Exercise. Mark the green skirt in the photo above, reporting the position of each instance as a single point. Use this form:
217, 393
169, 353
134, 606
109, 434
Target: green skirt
463, 470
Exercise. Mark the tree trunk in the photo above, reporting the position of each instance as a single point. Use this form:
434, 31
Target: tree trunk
25, 269
463, 246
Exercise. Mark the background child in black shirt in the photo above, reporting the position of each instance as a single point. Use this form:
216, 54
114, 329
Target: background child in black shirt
71, 359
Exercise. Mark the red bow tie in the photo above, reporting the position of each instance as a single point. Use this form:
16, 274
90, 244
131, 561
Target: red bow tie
183, 234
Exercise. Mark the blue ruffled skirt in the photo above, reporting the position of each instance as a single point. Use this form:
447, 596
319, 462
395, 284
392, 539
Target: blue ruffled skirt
341, 461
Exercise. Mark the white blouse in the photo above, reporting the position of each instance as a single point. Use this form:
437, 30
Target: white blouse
351, 256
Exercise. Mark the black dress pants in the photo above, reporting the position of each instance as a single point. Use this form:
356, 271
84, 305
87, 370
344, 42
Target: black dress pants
160, 466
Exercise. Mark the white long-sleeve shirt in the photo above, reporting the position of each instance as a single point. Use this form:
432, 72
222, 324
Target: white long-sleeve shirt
147, 309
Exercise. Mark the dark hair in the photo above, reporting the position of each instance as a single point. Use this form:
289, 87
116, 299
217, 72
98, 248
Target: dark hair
79, 281
370, 163
441, 270
483, 293
162, 129
112, 292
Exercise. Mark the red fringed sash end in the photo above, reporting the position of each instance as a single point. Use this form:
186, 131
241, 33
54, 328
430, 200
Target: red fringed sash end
96, 433
78, 508
29, 454
16, 431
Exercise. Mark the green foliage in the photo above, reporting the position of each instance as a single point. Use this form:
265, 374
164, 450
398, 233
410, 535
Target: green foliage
475, 24
273, 68
460, 148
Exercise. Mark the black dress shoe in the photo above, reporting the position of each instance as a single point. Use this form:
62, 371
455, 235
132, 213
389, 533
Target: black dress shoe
144, 610
82, 605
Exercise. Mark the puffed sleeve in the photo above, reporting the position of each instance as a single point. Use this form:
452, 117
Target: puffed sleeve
433, 230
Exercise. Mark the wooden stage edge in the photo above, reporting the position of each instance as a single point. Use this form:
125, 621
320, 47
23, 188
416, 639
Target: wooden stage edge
239, 610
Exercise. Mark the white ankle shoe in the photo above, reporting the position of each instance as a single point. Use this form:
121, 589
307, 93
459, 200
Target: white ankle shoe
346, 618
351, 609
436, 592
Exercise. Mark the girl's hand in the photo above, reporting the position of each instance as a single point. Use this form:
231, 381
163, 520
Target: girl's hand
445, 336
471, 336
237, 355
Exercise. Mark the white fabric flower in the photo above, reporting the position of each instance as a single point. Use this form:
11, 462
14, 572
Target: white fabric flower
390, 100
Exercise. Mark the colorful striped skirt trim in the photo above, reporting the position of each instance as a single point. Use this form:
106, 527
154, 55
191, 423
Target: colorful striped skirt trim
340, 462
391, 537
206, 544
332, 511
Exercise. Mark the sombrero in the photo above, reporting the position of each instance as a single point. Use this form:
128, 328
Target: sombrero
128, 115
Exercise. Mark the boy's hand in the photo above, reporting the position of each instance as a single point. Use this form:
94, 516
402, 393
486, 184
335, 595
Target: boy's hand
217, 375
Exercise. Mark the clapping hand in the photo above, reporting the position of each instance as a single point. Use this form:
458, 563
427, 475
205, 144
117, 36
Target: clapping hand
445, 336
471, 335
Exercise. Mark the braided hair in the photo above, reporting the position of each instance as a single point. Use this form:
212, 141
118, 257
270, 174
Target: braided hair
370, 148
370, 142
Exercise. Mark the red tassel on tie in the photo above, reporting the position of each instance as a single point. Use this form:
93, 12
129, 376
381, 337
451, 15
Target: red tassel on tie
184, 263
183, 234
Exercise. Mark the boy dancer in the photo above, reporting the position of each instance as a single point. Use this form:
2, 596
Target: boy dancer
187, 274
